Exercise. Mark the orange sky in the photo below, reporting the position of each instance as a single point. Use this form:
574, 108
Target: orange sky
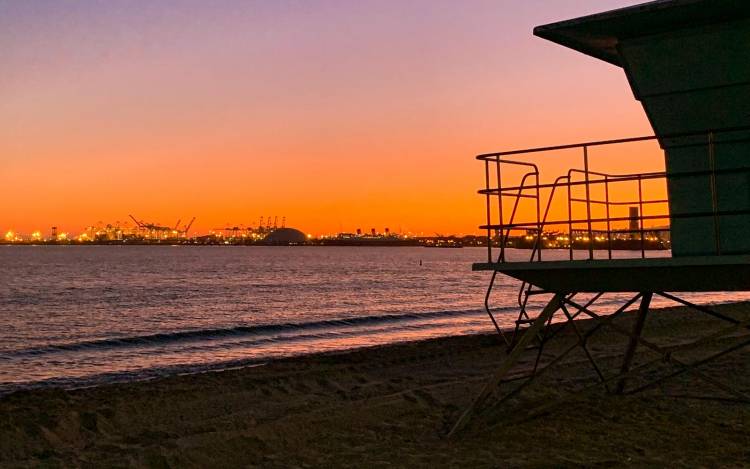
336, 115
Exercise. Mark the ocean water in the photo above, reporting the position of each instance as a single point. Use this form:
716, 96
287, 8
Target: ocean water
83, 315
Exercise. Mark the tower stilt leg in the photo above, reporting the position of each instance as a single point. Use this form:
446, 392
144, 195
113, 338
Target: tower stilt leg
633, 342
510, 361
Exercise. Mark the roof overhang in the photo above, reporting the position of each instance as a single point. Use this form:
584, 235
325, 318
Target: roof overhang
598, 35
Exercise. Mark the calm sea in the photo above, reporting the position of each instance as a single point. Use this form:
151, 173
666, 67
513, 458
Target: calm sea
83, 315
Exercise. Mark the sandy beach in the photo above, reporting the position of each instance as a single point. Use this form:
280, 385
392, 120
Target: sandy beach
392, 406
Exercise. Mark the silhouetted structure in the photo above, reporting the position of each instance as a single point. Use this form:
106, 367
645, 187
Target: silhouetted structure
284, 237
686, 61
634, 224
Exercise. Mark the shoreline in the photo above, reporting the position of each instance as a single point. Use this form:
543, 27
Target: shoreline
336, 244
376, 406
157, 372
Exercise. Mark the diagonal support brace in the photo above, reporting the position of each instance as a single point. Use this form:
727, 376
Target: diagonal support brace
510, 361
640, 320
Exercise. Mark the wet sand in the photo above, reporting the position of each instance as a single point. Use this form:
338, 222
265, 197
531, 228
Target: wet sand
393, 405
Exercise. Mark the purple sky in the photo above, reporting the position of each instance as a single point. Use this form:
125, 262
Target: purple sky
365, 113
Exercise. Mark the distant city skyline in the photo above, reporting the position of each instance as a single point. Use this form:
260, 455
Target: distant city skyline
336, 114
128, 227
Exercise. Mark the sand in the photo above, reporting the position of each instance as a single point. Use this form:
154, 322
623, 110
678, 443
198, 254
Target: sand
392, 406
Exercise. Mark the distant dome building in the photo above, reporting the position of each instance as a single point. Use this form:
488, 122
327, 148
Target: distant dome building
285, 237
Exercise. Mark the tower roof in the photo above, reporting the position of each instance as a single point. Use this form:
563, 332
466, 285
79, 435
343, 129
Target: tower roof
598, 35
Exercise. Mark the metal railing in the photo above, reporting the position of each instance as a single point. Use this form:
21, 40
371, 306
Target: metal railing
579, 228
571, 224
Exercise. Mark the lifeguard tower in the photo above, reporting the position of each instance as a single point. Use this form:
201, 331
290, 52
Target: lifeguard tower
688, 63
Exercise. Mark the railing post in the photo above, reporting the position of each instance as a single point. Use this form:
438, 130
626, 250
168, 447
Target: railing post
640, 216
500, 211
570, 220
487, 203
538, 220
588, 200
609, 228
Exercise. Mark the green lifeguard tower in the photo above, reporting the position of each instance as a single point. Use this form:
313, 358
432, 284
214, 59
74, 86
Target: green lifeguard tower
688, 63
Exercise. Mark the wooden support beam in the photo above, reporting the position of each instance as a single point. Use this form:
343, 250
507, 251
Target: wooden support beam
640, 320
510, 361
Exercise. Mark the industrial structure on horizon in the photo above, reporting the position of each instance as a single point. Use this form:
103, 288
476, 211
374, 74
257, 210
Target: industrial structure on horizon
144, 232
273, 231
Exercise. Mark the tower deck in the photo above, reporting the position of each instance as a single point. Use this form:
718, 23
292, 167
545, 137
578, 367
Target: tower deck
664, 274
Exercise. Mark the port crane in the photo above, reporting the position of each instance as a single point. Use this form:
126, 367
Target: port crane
187, 227
162, 231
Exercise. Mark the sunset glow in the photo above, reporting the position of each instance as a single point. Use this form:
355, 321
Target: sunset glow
336, 115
